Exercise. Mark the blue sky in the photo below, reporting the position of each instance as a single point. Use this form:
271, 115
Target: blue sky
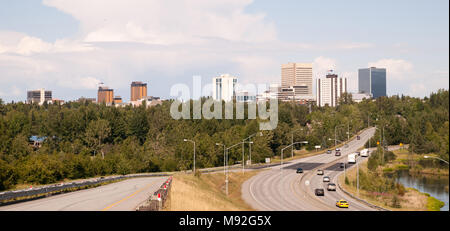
68, 46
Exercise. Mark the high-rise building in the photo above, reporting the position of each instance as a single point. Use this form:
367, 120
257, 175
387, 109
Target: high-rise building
372, 81
224, 87
105, 95
329, 90
117, 100
39, 96
138, 91
299, 75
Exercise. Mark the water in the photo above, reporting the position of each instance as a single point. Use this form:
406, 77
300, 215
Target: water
433, 185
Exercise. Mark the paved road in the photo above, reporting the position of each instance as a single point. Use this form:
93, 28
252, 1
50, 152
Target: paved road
282, 189
121, 196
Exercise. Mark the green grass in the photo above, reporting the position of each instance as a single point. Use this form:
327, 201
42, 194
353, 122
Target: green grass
434, 204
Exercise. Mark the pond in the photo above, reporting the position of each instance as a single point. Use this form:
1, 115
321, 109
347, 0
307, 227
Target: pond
433, 185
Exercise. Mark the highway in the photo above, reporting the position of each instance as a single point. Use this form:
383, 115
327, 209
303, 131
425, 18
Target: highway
282, 189
121, 196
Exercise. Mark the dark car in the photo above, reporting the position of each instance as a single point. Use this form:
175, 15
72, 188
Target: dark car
299, 170
319, 192
337, 153
342, 165
329, 152
358, 137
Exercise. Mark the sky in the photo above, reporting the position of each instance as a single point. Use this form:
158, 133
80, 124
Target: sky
70, 46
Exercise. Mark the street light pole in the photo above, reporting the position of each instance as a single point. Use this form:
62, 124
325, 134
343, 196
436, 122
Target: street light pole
226, 181
218, 144
185, 140
292, 141
250, 149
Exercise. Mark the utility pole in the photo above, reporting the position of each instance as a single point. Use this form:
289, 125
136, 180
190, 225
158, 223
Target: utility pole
250, 151
243, 163
357, 176
368, 126
292, 141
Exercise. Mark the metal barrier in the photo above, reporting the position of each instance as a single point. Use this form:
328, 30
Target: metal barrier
158, 199
25, 194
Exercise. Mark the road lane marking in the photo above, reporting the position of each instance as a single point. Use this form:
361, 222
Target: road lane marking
129, 196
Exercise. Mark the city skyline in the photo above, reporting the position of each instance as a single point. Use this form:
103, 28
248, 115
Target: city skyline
54, 45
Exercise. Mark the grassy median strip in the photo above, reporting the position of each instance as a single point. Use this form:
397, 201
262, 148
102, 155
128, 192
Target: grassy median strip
206, 192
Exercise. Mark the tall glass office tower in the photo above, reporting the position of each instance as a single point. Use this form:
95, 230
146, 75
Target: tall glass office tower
372, 81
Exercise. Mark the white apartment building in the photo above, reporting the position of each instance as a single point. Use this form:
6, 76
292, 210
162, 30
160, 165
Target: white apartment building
224, 87
39, 96
329, 90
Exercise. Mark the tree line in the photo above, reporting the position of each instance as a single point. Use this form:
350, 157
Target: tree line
84, 139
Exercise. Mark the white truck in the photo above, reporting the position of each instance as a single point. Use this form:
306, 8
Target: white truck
364, 152
351, 159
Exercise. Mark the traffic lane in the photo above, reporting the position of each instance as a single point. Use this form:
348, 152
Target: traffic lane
330, 197
121, 196
317, 182
253, 194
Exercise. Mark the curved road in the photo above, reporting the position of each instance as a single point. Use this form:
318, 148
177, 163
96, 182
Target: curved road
121, 196
282, 189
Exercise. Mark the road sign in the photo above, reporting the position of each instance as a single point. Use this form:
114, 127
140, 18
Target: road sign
378, 142
401, 144
317, 147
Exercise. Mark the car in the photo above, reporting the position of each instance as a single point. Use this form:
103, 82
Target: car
319, 192
338, 150
329, 151
358, 137
326, 179
319, 172
342, 165
342, 203
299, 170
337, 153
331, 187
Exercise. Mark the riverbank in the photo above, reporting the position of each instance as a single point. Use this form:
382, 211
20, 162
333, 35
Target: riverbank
381, 190
415, 164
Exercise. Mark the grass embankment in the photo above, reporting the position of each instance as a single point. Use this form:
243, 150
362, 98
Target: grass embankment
207, 192
396, 198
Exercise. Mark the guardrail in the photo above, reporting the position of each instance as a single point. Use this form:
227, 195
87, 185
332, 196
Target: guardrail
158, 199
48, 190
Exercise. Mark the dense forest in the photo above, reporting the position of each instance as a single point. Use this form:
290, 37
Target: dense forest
83, 139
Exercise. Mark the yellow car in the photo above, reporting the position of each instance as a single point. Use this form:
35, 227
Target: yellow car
342, 204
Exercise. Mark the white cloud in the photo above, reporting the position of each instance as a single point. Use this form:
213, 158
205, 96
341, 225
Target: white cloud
90, 83
322, 65
417, 89
395, 68
22, 44
166, 22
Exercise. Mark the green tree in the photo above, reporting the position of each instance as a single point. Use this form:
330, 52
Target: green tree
96, 133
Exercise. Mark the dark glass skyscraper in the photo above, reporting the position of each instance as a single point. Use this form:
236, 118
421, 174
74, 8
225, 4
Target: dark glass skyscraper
372, 81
